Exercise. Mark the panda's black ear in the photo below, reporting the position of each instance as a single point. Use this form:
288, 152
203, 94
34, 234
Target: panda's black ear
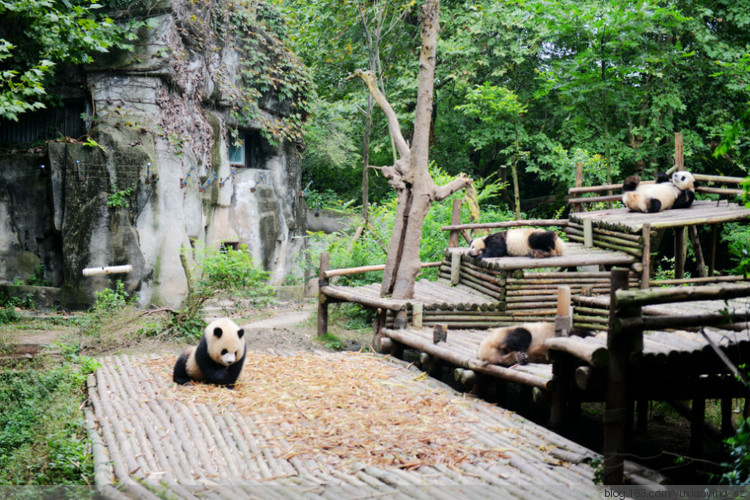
218, 332
240, 332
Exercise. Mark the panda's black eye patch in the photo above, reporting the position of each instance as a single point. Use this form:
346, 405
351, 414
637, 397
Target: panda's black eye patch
217, 332
224, 351
240, 332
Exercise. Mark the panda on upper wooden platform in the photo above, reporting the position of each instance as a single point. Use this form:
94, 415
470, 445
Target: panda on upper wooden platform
519, 344
523, 242
218, 358
677, 192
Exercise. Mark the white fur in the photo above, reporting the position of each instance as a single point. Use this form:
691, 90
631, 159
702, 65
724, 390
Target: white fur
490, 350
665, 192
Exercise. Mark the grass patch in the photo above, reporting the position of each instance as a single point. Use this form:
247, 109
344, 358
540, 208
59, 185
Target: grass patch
43, 438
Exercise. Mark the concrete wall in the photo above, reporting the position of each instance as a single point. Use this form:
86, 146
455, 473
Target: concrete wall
160, 131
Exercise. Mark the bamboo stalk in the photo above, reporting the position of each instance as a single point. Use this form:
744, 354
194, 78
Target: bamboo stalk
513, 223
627, 298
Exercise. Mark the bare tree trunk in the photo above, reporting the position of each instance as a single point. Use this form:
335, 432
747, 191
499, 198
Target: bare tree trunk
409, 174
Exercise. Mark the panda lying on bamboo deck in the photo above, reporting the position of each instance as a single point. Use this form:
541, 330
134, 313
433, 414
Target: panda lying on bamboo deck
218, 359
524, 242
519, 344
677, 192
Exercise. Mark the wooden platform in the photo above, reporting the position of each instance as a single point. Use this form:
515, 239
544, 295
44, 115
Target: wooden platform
329, 425
701, 212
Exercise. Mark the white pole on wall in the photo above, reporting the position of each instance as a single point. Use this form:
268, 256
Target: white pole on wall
95, 271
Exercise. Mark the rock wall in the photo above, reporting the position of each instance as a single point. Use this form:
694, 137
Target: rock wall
154, 178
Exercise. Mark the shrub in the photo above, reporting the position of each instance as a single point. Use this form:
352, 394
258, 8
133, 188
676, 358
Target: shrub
738, 472
216, 271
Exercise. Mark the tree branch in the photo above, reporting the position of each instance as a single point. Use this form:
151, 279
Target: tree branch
442, 192
393, 126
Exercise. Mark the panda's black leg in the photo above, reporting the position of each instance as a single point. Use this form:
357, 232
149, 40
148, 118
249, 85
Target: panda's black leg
654, 205
180, 375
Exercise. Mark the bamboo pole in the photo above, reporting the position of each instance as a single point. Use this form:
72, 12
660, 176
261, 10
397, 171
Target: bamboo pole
512, 223
620, 346
627, 298
455, 220
325, 261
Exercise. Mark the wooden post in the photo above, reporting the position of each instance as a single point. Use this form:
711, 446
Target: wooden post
588, 233
642, 419
680, 242
620, 344
578, 207
714, 238
564, 318
325, 262
727, 426
698, 411
646, 259
455, 268
455, 220
417, 314
680, 250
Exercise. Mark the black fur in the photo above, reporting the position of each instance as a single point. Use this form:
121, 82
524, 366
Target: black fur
631, 183
213, 372
180, 375
684, 199
544, 241
518, 339
662, 177
654, 205
494, 246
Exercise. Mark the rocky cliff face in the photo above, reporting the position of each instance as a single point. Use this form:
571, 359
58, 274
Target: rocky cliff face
155, 178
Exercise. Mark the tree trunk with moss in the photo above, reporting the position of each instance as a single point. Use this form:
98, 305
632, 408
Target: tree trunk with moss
409, 175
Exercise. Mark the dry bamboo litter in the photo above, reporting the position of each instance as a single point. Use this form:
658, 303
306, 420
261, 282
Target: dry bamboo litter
327, 424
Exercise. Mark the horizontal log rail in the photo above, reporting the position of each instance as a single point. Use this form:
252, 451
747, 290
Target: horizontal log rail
630, 298
682, 321
347, 271
360, 298
510, 223
475, 364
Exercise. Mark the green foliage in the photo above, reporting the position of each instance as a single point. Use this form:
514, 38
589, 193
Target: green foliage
737, 238
42, 428
109, 300
120, 198
9, 315
217, 271
606, 83
39, 36
738, 471
370, 247
331, 342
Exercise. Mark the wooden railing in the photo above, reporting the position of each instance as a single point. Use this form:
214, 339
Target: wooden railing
625, 342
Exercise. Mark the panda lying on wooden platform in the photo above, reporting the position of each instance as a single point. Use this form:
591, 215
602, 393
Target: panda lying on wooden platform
519, 344
218, 359
523, 242
677, 192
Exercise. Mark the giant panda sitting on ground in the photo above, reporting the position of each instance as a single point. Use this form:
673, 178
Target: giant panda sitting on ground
534, 243
218, 359
519, 344
677, 192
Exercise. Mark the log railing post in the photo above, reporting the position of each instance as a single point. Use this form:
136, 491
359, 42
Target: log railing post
325, 262
455, 220
562, 367
646, 258
621, 344
578, 207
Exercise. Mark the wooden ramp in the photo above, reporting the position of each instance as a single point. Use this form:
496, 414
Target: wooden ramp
326, 425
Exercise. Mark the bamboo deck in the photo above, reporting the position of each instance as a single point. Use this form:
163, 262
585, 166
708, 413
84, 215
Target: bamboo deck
679, 351
296, 426
701, 212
